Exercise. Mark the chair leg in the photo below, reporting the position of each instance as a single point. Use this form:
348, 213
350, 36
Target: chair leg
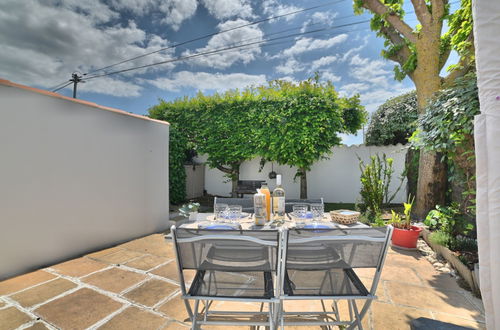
358, 316
195, 315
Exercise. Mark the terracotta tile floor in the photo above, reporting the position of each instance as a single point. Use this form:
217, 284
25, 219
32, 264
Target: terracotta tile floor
134, 286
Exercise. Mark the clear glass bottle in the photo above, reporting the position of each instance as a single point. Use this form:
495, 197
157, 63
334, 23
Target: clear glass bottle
278, 200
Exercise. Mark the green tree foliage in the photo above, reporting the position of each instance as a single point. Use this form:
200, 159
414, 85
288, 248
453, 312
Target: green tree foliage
292, 124
300, 123
221, 126
394, 121
176, 172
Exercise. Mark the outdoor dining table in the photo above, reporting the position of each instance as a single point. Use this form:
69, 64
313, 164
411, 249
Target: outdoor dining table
248, 223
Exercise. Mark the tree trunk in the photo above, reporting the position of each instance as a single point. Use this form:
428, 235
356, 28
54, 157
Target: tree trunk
431, 185
235, 176
303, 183
411, 164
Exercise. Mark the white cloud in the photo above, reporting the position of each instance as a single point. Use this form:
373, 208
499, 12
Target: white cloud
111, 86
49, 43
176, 11
290, 66
372, 71
353, 88
173, 12
319, 18
329, 76
309, 44
323, 61
92, 9
228, 58
204, 81
222, 9
275, 8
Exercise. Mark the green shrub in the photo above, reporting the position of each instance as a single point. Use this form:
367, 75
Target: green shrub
375, 181
394, 121
449, 220
177, 173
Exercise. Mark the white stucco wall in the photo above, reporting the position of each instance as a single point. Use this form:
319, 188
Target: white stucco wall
336, 179
75, 178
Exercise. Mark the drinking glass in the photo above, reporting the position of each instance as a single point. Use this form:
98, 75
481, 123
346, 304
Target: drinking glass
317, 211
234, 212
299, 211
220, 212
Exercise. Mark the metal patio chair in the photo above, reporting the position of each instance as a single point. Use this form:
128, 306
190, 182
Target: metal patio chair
321, 264
230, 265
246, 203
289, 203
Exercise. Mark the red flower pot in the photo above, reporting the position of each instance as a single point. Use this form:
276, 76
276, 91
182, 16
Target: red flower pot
406, 238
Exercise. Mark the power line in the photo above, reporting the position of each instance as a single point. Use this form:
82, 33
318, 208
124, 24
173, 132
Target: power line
219, 50
215, 33
67, 84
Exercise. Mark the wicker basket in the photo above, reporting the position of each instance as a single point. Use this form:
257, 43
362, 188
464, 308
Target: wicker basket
345, 217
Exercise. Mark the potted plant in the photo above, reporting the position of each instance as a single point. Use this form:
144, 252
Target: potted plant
190, 210
405, 235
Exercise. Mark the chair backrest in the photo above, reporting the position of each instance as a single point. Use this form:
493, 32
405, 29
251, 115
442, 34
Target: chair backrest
337, 248
246, 203
227, 250
289, 203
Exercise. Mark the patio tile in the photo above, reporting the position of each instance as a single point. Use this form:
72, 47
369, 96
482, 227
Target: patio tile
37, 326
152, 244
24, 281
151, 292
78, 310
78, 267
43, 292
176, 309
434, 278
176, 326
445, 301
11, 318
146, 262
105, 252
459, 321
119, 257
134, 318
114, 279
400, 274
170, 271
388, 316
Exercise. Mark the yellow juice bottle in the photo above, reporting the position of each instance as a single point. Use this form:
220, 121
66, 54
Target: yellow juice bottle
264, 189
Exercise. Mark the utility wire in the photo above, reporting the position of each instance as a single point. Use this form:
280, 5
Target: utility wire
69, 83
215, 51
215, 33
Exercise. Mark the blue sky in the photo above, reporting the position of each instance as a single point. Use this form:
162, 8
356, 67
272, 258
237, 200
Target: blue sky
44, 41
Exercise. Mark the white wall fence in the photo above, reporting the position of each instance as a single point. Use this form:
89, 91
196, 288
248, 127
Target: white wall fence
336, 179
75, 177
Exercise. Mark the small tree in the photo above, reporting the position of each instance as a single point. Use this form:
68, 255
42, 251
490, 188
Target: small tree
222, 126
394, 121
300, 123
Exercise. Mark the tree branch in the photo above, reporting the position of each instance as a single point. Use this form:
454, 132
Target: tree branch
423, 14
465, 66
224, 169
394, 20
438, 8
402, 55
